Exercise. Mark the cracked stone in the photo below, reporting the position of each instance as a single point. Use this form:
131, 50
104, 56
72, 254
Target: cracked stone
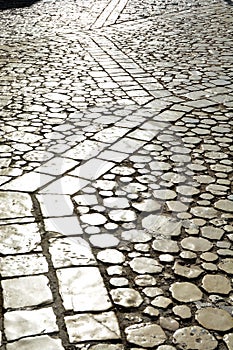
82, 289
226, 265
88, 327
122, 215
36, 343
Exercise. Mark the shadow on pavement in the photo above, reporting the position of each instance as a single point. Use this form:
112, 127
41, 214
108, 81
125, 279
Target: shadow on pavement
10, 4
229, 2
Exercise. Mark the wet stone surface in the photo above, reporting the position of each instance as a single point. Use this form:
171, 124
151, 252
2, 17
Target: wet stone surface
116, 202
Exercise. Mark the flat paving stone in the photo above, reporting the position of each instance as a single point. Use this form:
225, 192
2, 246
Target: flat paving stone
185, 292
194, 337
24, 323
146, 335
23, 292
214, 319
35, 343
82, 289
88, 327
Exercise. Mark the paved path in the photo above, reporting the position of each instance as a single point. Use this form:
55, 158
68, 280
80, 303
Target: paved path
115, 175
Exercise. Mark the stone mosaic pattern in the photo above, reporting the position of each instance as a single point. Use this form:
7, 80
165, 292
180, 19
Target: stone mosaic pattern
116, 200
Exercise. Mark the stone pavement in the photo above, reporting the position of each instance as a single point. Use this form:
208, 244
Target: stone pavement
115, 175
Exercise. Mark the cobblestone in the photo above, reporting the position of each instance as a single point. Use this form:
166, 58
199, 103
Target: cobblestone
116, 175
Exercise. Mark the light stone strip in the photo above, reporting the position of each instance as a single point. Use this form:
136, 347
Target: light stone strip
105, 14
109, 60
114, 15
110, 13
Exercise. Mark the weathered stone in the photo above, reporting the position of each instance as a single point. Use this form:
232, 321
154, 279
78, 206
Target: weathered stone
146, 335
162, 225
216, 284
126, 297
145, 265
225, 205
21, 323
187, 271
214, 319
165, 246
228, 339
183, 311
185, 292
36, 343
23, 292
111, 256
88, 327
136, 236
82, 289
226, 265
161, 302
196, 244
194, 338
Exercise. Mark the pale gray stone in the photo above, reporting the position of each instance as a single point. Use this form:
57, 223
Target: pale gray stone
136, 236
214, 319
165, 246
204, 212
186, 190
116, 202
194, 338
19, 265
70, 251
36, 343
145, 265
21, 323
82, 289
228, 339
17, 239
161, 302
196, 244
26, 291
189, 272
164, 194
104, 240
162, 225
185, 292
147, 205
216, 284
122, 215
111, 256
168, 323
225, 205
15, 205
94, 219
88, 327
126, 297
226, 265
183, 311
146, 335
211, 232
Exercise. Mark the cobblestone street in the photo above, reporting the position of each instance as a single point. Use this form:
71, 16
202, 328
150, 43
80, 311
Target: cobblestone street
116, 203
